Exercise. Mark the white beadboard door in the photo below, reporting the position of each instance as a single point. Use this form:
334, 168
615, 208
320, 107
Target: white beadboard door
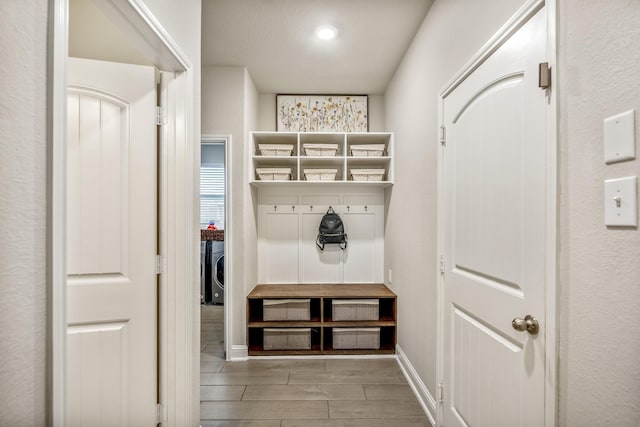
111, 243
495, 231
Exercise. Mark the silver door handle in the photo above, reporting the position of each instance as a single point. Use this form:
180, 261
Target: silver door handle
529, 324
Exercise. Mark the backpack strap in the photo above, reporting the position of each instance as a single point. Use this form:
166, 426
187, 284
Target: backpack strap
319, 244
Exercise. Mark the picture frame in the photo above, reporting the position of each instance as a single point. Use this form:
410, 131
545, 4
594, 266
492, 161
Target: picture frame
322, 113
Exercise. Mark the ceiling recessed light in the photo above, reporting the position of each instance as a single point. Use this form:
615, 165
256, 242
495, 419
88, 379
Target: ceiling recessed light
326, 32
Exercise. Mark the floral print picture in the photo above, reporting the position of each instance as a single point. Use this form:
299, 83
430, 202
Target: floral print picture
321, 113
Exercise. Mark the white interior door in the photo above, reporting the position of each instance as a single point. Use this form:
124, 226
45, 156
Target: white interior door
495, 229
111, 245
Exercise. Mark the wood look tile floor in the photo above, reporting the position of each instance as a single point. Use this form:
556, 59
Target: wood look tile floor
327, 392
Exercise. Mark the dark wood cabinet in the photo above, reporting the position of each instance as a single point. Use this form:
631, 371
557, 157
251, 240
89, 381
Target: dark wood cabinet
321, 323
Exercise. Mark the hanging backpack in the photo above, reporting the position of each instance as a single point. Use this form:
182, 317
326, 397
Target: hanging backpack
331, 230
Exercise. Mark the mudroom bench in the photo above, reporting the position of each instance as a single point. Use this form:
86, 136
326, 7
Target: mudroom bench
325, 319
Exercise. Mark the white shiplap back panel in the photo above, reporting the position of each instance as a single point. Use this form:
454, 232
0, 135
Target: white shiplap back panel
364, 251
289, 256
280, 247
317, 266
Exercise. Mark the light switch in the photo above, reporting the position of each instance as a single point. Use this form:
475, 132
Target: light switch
619, 137
621, 202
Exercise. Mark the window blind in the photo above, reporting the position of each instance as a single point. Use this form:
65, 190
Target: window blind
212, 195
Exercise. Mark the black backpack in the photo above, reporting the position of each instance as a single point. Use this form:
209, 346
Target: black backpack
331, 230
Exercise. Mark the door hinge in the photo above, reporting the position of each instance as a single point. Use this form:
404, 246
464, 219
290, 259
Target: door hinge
161, 264
161, 117
441, 264
440, 393
161, 414
443, 136
544, 75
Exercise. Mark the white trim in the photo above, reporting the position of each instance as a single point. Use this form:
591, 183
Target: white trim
523, 15
426, 399
56, 252
238, 353
228, 239
551, 276
137, 22
442, 262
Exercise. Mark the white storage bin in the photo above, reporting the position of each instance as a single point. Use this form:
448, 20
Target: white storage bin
367, 174
285, 309
320, 174
313, 150
286, 338
369, 150
274, 174
356, 338
355, 309
275, 149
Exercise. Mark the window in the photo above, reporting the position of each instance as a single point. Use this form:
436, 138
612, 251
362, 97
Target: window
212, 187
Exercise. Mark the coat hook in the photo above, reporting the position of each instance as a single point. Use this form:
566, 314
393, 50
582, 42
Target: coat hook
348, 208
275, 208
293, 208
365, 208
311, 207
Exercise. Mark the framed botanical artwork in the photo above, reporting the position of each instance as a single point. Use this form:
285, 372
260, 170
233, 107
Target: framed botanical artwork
322, 113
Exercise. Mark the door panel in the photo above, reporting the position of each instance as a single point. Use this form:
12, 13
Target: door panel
494, 237
111, 223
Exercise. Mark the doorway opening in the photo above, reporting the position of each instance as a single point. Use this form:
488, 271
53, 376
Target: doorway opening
213, 220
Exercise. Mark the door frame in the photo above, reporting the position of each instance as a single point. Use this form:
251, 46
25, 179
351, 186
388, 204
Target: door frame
178, 366
528, 10
228, 241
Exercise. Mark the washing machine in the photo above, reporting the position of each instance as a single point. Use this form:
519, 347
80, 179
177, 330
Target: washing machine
213, 282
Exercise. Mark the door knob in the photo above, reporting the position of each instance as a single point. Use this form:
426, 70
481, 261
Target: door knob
529, 324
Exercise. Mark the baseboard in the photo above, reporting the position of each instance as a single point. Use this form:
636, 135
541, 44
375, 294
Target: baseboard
425, 398
239, 352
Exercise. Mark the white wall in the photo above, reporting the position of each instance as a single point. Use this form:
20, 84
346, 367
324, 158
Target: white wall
599, 280
23, 207
450, 34
24, 397
267, 112
229, 106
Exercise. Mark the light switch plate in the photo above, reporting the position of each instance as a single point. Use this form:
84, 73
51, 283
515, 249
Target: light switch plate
621, 202
619, 137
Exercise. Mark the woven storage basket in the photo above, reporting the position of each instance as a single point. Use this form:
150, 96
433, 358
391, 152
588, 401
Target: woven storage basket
369, 150
279, 150
312, 150
355, 309
274, 174
356, 338
320, 174
367, 174
285, 309
287, 338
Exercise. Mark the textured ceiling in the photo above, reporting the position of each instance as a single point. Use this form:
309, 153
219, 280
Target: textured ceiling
275, 40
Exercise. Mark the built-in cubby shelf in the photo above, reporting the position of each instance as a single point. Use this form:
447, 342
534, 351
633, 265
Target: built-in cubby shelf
321, 324
344, 162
